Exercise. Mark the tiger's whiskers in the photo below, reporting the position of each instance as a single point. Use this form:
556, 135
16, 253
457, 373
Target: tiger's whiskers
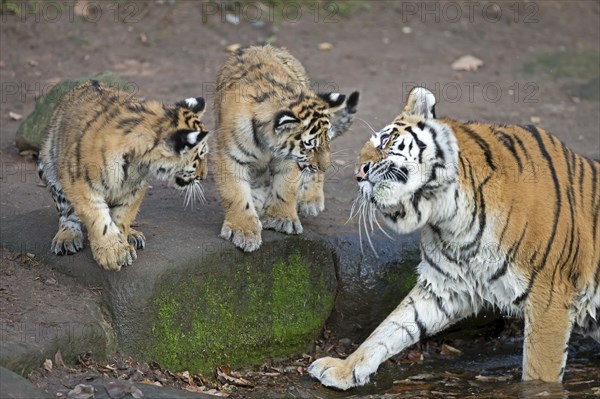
193, 193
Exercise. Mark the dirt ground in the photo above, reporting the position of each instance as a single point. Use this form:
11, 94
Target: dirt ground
172, 49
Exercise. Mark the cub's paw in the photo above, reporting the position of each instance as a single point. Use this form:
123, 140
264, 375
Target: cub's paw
337, 373
247, 238
136, 239
67, 242
283, 224
311, 208
113, 252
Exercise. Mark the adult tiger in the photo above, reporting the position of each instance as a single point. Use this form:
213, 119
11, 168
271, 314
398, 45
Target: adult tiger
466, 186
99, 149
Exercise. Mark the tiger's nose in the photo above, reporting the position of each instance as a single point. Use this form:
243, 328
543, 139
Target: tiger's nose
362, 172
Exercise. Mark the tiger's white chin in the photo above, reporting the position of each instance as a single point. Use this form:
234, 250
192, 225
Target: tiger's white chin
394, 203
384, 194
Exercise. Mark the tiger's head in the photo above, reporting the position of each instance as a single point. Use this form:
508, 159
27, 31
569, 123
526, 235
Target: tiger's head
304, 130
181, 145
408, 163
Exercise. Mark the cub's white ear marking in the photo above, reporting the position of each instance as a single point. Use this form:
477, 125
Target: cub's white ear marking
192, 137
334, 96
191, 102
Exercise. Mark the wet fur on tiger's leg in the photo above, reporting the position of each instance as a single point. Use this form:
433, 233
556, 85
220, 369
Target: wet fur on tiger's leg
419, 315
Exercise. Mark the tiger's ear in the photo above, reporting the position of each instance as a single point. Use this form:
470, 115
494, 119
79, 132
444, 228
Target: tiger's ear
334, 100
196, 105
421, 102
185, 138
285, 120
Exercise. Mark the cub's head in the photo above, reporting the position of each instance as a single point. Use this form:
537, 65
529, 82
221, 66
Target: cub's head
304, 130
408, 163
180, 151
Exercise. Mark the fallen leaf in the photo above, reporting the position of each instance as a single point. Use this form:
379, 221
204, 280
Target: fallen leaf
14, 116
450, 350
47, 365
421, 377
232, 48
415, 357
143, 37
29, 154
535, 119
493, 378
232, 19
325, 46
58, 360
467, 63
234, 379
81, 391
80, 7
406, 30
408, 382
120, 389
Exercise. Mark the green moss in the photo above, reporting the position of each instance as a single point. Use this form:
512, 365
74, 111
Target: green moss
239, 319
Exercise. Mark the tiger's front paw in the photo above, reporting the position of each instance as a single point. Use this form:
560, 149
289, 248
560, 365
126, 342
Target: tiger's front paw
283, 224
311, 208
338, 373
136, 239
113, 252
67, 242
246, 237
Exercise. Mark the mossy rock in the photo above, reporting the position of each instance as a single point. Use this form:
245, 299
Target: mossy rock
267, 305
31, 131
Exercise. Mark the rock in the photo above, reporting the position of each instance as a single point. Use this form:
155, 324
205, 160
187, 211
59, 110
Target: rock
370, 286
25, 345
13, 386
192, 301
31, 131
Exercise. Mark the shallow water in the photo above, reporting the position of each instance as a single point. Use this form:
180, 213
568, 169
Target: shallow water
484, 369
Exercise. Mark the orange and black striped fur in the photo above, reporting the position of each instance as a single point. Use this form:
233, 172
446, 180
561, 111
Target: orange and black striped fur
99, 148
272, 143
509, 217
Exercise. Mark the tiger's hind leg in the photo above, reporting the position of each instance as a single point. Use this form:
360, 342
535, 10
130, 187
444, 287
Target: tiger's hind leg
312, 198
547, 332
69, 237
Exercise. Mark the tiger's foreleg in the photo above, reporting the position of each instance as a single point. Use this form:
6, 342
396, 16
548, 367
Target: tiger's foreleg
109, 245
242, 225
281, 212
312, 198
547, 331
419, 315
124, 213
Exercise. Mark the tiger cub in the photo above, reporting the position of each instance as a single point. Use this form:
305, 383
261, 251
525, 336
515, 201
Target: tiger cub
508, 218
272, 143
99, 148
